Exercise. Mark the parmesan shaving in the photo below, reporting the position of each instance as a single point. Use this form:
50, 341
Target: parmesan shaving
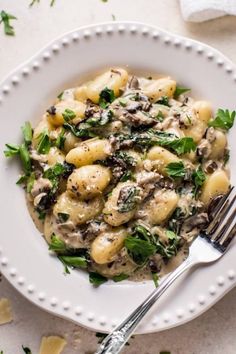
5, 311
52, 345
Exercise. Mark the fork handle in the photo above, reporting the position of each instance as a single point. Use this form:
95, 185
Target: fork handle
115, 341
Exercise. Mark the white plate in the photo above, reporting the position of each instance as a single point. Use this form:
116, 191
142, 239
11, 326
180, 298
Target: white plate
25, 94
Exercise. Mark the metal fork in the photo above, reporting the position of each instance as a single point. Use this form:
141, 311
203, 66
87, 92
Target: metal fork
208, 247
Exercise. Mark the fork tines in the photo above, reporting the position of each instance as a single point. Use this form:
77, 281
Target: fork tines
222, 229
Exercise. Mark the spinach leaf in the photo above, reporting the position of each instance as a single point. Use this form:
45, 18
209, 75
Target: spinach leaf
106, 97
120, 277
127, 199
96, 279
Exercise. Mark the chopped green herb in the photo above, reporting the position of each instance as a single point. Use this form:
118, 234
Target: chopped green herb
26, 350
74, 261
66, 268
53, 174
96, 279
60, 95
183, 145
122, 102
41, 214
22, 179
12, 150
224, 119
226, 157
139, 249
199, 178
113, 17
127, 176
171, 235
63, 217
120, 277
34, 2
80, 133
57, 245
104, 0
176, 169
60, 141
52, 2
25, 158
107, 96
68, 114
27, 133
30, 182
155, 279
127, 199
44, 143
104, 118
6, 18
179, 91
164, 100
159, 116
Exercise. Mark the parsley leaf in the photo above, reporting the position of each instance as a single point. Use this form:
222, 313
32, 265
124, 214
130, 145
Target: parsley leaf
120, 277
57, 245
179, 91
96, 279
5, 18
127, 176
106, 97
68, 114
224, 119
175, 169
139, 249
26, 350
183, 145
74, 261
164, 100
27, 133
12, 150
44, 143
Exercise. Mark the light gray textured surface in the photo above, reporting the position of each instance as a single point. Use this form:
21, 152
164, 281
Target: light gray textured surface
213, 332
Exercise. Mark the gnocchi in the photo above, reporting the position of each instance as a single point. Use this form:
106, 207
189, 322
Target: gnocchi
121, 171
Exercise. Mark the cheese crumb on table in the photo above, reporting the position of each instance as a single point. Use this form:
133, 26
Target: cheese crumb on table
5, 311
52, 345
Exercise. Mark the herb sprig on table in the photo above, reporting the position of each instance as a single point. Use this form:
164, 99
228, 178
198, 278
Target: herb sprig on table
5, 18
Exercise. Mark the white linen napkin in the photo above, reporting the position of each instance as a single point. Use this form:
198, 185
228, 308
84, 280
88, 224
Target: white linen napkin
203, 10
